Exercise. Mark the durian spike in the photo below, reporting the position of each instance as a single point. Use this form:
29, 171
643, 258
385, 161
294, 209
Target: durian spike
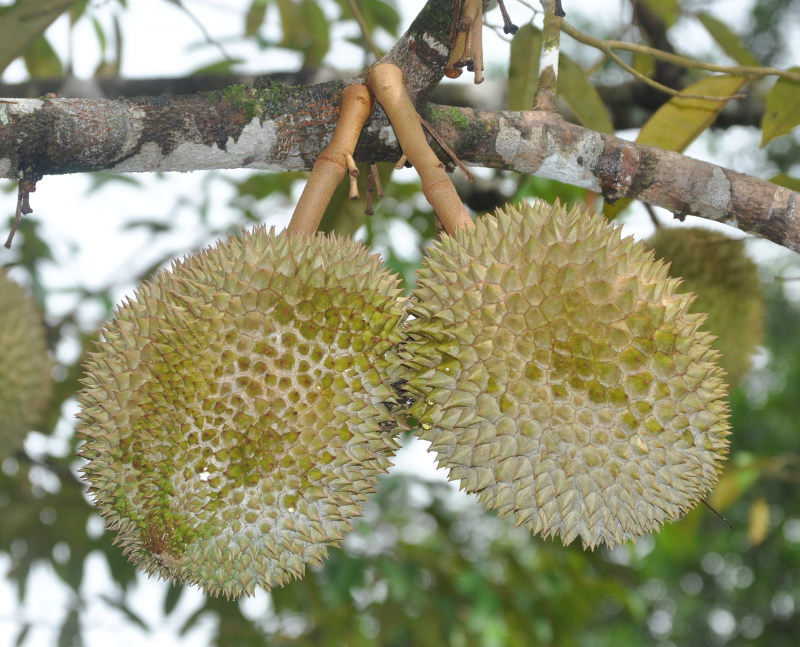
386, 82
334, 161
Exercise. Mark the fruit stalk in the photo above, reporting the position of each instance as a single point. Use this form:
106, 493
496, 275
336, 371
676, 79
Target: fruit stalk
334, 161
386, 82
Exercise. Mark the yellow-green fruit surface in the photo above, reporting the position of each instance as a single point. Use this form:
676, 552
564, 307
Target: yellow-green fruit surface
232, 417
561, 378
717, 269
25, 381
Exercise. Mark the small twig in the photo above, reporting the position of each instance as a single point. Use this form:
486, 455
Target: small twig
362, 24
665, 88
450, 152
376, 179
206, 34
606, 46
508, 26
386, 82
727, 523
334, 161
26, 187
368, 210
653, 217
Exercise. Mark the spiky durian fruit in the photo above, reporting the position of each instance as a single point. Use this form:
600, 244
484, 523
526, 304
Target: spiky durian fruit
233, 417
728, 288
25, 369
560, 377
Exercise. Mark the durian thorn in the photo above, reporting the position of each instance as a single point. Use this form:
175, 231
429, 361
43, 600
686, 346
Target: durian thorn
332, 164
725, 521
386, 82
446, 148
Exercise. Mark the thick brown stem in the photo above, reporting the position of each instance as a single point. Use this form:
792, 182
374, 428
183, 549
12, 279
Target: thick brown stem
386, 81
334, 161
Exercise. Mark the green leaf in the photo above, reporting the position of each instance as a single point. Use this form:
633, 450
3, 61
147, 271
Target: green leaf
730, 43
219, 67
318, 36
120, 605
100, 33
582, 96
376, 13
24, 21
784, 179
782, 111
101, 178
758, 521
171, 598
667, 10
291, 24
680, 121
523, 67
70, 634
22, 635
42, 61
732, 485
255, 17
77, 10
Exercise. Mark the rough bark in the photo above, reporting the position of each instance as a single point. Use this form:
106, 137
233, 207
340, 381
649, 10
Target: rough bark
276, 127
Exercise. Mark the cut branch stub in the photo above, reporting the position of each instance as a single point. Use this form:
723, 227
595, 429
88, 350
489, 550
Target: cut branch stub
386, 82
334, 161
467, 50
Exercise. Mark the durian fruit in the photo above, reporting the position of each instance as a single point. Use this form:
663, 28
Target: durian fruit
717, 269
25, 369
560, 377
232, 417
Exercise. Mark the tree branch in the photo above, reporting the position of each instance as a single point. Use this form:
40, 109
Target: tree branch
283, 128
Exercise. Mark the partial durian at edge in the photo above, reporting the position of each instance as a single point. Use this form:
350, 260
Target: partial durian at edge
560, 376
25, 372
232, 416
717, 269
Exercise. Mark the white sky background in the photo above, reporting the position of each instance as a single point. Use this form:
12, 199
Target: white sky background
94, 223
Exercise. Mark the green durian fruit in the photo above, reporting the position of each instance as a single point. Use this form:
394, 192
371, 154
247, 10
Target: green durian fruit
726, 282
25, 370
560, 377
233, 417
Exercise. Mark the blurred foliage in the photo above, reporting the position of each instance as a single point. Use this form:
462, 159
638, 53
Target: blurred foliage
426, 566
